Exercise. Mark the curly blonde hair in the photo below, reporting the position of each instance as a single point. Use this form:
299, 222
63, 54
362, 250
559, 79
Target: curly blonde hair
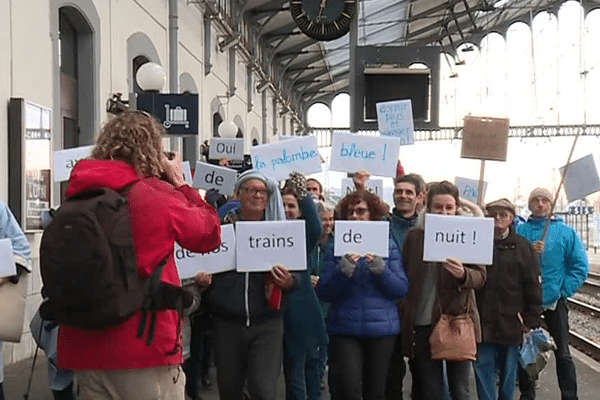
135, 138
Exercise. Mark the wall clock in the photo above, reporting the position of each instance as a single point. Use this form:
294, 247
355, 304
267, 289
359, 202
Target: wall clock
323, 19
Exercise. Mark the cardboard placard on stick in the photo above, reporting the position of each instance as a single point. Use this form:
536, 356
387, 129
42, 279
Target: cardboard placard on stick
485, 138
581, 178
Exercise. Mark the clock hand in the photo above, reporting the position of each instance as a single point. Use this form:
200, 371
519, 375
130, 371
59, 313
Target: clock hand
322, 6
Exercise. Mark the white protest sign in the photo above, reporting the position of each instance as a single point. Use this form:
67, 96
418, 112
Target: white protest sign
65, 160
361, 237
208, 176
376, 154
373, 185
285, 137
395, 118
187, 172
469, 188
581, 179
260, 245
232, 149
468, 239
277, 160
220, 260
7, 259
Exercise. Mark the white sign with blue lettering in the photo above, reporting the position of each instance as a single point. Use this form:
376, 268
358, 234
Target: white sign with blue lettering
232, 149
469, 188
373, 185
187, 172
7, 259
361, 237
220, 260
65, 160
208, 176
376, 154
261, 245
395, 118
277, 160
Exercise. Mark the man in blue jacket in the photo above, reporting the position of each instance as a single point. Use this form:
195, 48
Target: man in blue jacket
564, 264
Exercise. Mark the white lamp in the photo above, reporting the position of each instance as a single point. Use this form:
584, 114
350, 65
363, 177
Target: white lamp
227, 129
151, 77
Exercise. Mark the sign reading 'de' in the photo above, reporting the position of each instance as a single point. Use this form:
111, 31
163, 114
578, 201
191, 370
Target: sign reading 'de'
277, 160
468, 239
208, 176
219, 260
581, 179
395, 118
187, 172
373, 185
261, 245
232, 149
469, 188
7, 259
485, 138
65, 160
361, 237
376, 154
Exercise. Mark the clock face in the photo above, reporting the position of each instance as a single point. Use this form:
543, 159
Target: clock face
323, 19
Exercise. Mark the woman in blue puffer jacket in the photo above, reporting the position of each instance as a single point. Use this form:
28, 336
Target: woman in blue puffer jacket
364, 320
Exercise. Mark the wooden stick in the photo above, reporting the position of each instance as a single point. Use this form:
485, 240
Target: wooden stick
480, 186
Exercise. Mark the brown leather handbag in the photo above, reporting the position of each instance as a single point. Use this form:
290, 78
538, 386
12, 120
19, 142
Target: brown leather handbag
453, 338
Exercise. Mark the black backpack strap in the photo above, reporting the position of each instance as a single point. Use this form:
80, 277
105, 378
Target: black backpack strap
152, 301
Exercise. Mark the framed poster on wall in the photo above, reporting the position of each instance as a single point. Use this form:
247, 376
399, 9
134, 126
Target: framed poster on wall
30, 152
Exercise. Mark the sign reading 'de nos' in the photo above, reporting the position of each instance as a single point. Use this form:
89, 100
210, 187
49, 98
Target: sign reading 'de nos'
485, 138
361, 237
261, 245
468, 239
395, 118
581, 179
373, 185
376, 154
220, 260
232, 149
65, 160
469, 188
208, 176
277, 160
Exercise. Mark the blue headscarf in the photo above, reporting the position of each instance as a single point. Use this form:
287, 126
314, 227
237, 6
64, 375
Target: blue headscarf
274, 210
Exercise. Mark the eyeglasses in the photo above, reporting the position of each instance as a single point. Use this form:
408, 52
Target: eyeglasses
499, 214
358, 211
252, 191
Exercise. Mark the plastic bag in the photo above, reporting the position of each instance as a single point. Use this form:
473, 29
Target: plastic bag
535, 351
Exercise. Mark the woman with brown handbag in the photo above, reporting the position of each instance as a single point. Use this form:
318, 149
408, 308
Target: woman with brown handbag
438, 289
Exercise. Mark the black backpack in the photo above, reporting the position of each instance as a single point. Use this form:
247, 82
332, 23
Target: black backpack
89, 267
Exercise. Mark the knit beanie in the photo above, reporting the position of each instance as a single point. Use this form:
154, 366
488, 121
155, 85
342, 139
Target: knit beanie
539, 192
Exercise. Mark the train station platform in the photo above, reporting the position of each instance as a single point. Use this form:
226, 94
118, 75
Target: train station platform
16, 376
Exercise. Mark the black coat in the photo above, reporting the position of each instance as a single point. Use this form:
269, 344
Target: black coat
512, 287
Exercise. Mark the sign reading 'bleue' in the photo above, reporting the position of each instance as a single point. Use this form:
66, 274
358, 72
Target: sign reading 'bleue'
261, 245
468, 239
7, 259
395, 118
277, 160
232, 149
208, 176
220, 260
376, 154
65, 160
361, 237
373, 185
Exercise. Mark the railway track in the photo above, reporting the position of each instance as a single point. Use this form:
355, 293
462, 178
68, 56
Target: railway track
578, 341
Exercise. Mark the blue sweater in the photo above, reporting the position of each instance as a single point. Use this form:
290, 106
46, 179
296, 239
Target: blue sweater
365, 303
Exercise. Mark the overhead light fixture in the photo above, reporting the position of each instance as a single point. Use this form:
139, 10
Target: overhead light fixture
227, 129
151, 77
229, 42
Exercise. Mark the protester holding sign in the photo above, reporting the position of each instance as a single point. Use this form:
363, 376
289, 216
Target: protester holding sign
364, 320
246, 307
564, 264
435, 289
509, 304
305, 339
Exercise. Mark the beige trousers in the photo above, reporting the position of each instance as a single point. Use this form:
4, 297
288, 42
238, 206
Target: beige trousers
160, 383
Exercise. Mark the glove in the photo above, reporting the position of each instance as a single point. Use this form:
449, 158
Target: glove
214, 198
347, 266
297, 182
376, 266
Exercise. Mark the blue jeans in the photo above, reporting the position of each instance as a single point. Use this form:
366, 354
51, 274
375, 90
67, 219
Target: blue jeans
557, 322
303, 373
493, 360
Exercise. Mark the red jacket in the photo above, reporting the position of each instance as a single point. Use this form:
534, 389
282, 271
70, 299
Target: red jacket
160, 216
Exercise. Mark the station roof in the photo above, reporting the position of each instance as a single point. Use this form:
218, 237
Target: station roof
307, 70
